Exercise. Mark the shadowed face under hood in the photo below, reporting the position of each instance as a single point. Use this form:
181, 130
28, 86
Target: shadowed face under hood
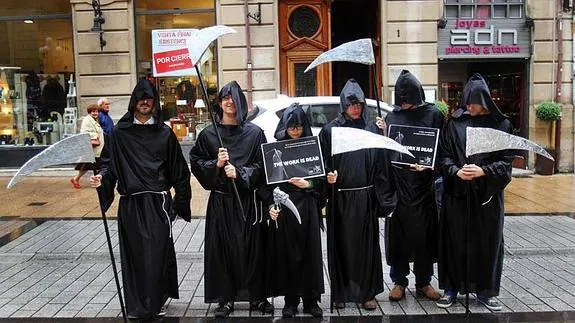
144, 89
408, 89
352, 93
233, 89
476, 91
291, 117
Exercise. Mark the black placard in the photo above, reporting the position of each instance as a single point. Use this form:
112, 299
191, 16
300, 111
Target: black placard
292, 158
420, 141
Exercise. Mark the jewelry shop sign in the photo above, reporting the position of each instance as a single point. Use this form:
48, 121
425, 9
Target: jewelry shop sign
482, 38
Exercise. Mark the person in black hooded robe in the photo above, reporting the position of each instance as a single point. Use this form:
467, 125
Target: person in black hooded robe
412, 229
143, 157
234, 248
295, 267
354, 254
473, 196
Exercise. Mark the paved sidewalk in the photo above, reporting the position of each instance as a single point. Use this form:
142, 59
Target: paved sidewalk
54, 197
62, 269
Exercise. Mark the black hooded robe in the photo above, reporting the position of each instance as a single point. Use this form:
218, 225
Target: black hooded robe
146, 161
485, 195
354, 254
234, 250
295, 267
411, 232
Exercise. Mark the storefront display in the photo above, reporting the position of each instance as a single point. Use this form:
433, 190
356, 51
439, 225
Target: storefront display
181, 99
36, 62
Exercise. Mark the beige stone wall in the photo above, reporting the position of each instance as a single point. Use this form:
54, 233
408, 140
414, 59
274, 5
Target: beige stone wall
109, 72
543, 77
232, 52
409, 41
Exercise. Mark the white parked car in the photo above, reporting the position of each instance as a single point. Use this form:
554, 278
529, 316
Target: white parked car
320, 110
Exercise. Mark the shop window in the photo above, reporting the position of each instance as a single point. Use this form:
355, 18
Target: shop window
36, 62
483, 9
181, 99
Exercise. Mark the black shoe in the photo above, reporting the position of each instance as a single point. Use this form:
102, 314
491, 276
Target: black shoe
263, 306
289, 311
224, 310
314, 310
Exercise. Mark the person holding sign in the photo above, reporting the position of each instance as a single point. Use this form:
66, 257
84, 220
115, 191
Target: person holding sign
234, 247
354, 255
294, 250
471, 230
411, 231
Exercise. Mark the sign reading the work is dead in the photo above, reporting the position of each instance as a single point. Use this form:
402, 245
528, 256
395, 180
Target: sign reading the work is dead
420, 141
170, 53
292, 158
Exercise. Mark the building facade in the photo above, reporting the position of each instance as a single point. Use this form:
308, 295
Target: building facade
524, 48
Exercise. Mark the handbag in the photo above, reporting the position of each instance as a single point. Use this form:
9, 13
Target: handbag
95, 142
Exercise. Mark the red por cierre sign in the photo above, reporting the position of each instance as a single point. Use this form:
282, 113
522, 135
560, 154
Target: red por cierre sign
173, 60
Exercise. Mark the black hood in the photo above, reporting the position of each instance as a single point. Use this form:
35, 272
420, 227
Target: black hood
292, 116
239, 98
144, 89
351, 93
408, 89
476, 91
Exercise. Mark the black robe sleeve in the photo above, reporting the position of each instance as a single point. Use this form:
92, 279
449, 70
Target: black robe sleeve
449, 168
179, 176
109, 177
250, 176
204, 167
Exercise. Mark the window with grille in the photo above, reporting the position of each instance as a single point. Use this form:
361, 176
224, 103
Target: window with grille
484, 9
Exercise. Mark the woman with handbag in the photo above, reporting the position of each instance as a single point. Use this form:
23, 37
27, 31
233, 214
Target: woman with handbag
90, 125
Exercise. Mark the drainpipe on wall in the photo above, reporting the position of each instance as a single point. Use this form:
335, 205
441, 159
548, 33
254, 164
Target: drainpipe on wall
248, 55
559, 78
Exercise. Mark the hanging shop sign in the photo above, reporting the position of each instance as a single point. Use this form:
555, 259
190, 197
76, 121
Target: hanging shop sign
170, 53
473, 38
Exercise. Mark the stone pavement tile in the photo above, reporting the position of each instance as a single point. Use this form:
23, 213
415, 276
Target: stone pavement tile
476, 307
35, 304
103, 297
90, 310
22, 314
66, 313
185, 297
458, 307
189, 285
23, 298
557, 304
197, 303
541, 308
391, 308
431, 308
236, 313
109, 313
349, 310
77, 303
176, 309
199, 312
48, 310
63, 297
568, 288
376, 312
8, 309
411, 306
515, 305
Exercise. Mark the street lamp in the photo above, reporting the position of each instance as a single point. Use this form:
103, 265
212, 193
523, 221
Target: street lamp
98, 21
